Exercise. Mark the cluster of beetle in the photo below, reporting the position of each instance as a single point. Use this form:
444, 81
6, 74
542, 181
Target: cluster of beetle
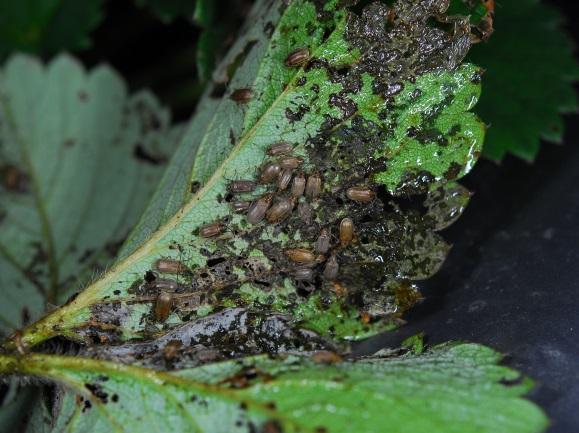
292, 189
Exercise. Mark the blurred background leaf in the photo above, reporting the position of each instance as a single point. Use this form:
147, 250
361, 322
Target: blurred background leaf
47, 26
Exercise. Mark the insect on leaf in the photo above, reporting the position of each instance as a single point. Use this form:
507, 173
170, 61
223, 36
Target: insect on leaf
365, 135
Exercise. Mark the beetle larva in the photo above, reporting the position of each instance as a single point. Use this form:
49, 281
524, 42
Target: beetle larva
332, 268
360, 194
290, 162
171, 266
302, 273
211, 230
280, 148
243, 96
258, 208
313, 186
280, 210
326, 357
161, 284
299, 185
323, 241
346, 231
269, 173
306, 213
300, 255
297, 57
171, 349
163, 306
240, 186
284, 180
241, 206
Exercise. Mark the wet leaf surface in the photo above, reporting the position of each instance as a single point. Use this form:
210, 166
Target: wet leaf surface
453, 388
353, 121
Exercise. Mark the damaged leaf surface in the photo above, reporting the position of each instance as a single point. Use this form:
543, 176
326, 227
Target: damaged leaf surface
398, 129
448, 389
71, 186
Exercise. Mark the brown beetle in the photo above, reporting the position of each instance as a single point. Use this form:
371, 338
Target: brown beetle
171, 266
243, 96
346, 231
161, 284
241, 206
269, 172
302, 273
297, 57
323, 241
313, 186
299, 185
332, 268
258, 208
280, 148
211, 230
163, 306
306, 213
300, 255
280, 210
326, 357
171, 349
360, 194
240, 186
284, 180
290, 162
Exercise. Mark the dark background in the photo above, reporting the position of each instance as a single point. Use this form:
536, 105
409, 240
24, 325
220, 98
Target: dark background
512, 278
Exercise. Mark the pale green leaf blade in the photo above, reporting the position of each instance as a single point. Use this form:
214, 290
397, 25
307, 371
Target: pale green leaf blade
455, 388
72, 186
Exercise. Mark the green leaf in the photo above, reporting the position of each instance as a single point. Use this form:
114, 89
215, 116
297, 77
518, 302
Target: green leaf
529, 66
168, 10
455, 388
47, 26
71, 185
402, 128
209, 38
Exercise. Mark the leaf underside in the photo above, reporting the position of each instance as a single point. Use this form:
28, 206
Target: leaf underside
448, 389
71, 187
383, 102
401, 128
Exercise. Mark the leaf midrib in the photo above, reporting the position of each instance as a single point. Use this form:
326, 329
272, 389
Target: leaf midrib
142, 251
